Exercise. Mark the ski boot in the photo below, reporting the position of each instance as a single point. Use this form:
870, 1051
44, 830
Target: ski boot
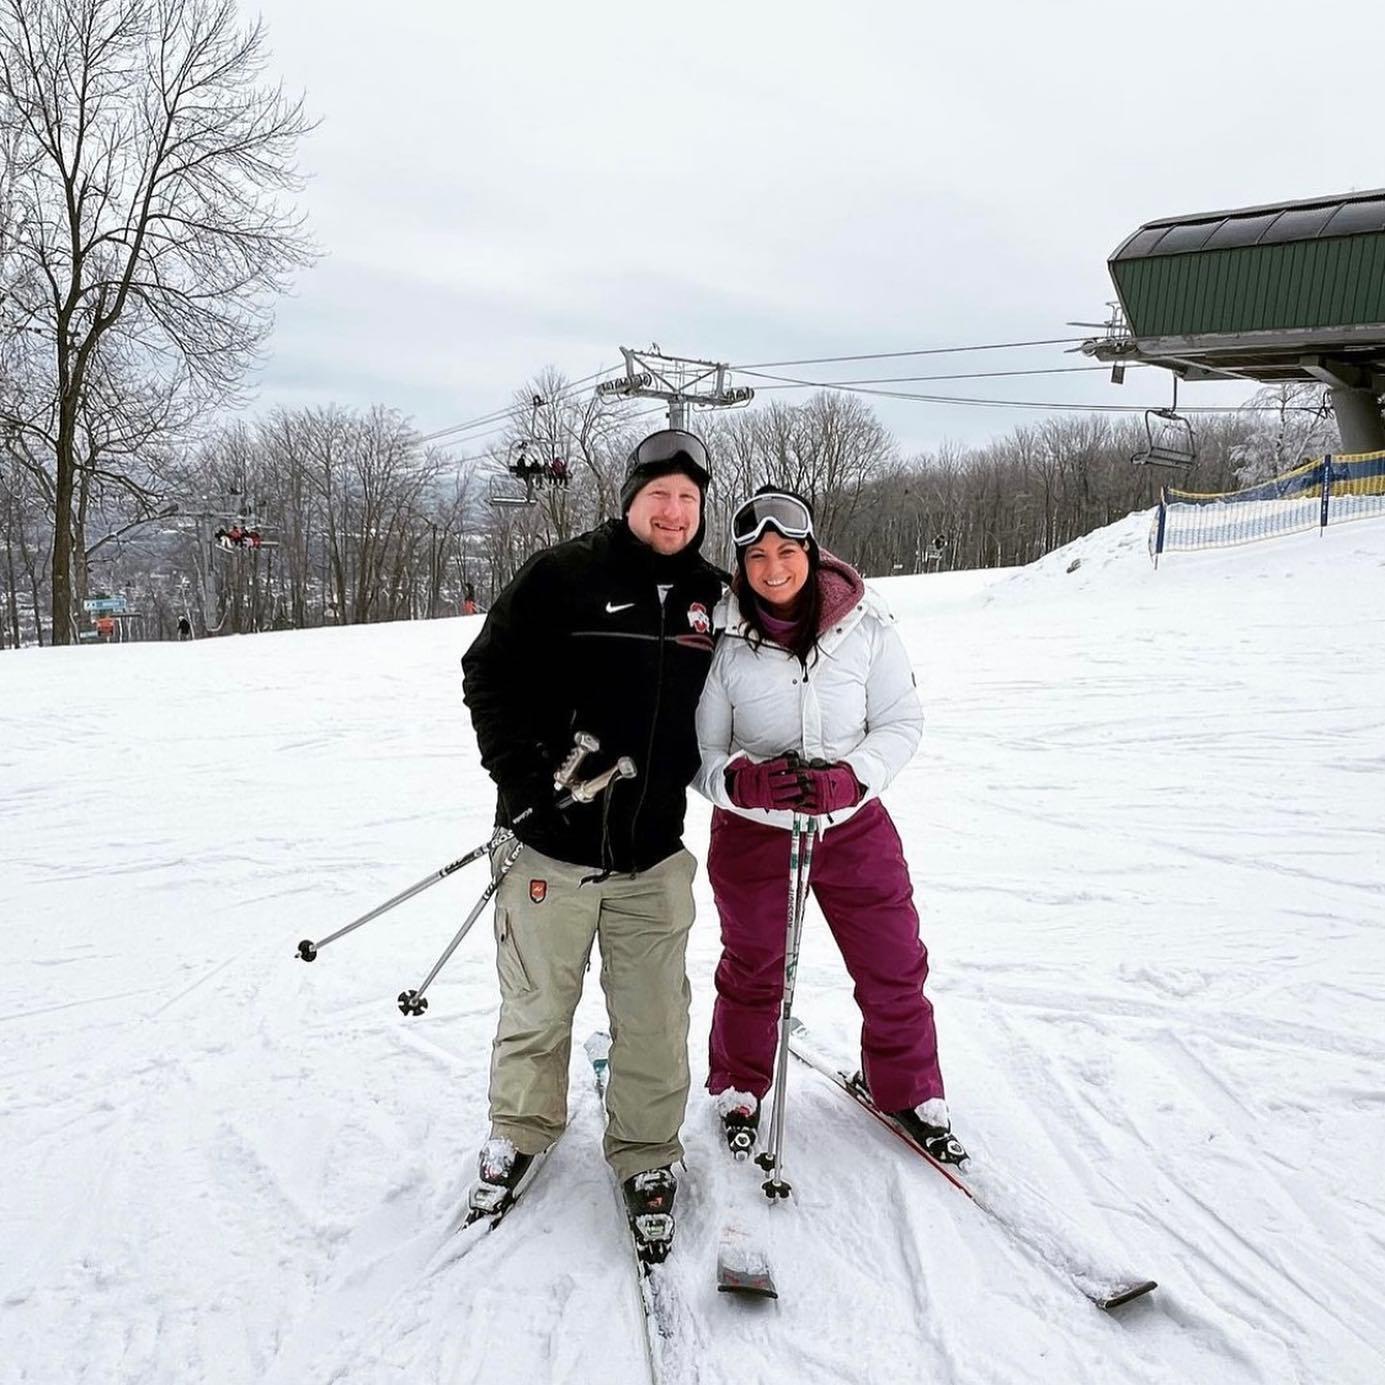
501, 1170
649, 1205
740, 1121
929, 1125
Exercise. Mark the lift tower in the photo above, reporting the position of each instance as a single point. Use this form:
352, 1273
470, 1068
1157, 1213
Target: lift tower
680, 381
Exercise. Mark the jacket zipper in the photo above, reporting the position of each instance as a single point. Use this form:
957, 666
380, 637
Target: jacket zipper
653, 729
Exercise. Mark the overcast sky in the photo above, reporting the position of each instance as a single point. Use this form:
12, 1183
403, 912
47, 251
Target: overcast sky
501, 187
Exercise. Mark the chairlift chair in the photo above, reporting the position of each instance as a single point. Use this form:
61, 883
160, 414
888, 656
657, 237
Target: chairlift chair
1169, 441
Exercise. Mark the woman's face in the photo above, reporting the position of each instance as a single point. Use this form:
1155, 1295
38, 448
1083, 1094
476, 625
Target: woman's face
776, 568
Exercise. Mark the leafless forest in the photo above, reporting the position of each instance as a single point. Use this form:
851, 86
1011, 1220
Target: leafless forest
362, 522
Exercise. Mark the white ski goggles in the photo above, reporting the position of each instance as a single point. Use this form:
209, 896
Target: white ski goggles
786, 513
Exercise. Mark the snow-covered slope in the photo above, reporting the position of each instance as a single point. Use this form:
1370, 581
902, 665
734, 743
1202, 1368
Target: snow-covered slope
1146, 830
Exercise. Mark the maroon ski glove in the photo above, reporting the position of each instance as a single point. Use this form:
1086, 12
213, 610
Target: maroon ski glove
768, 785
831, 789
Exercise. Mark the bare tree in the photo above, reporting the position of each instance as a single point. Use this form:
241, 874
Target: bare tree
827, 449
1300, 426
150, 172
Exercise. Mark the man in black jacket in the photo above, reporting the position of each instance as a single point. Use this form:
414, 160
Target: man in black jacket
609, 633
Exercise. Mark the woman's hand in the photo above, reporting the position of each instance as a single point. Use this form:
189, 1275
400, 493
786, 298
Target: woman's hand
829, 789
768, 785
790, 783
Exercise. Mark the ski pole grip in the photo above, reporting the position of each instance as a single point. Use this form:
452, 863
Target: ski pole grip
624, 768
583, 744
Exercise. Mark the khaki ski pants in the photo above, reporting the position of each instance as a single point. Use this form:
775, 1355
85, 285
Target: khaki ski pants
545, 923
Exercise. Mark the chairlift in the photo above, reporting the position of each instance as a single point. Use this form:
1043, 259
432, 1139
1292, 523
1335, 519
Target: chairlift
1169, 441
1169, 438
527, 462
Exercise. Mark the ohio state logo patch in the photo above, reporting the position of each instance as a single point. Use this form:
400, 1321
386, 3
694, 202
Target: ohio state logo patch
538, 891
698, 618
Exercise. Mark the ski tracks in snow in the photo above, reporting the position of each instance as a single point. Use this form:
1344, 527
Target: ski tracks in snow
1242, 1190
419, 1302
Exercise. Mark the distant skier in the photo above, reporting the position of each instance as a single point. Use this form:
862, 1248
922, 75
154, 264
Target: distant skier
810, 706
469, 599
608, 633
184, 628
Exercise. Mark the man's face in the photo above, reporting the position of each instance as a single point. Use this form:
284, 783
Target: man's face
666, 513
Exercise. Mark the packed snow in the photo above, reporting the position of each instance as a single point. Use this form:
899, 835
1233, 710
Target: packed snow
1146, 829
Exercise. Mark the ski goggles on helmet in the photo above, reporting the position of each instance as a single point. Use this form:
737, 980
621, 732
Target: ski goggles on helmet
667, 445
786, 513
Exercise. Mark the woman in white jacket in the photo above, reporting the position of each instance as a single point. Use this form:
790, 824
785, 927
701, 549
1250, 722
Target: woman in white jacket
810, 705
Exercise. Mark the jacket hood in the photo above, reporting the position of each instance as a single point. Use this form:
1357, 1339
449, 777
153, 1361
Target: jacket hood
841, 587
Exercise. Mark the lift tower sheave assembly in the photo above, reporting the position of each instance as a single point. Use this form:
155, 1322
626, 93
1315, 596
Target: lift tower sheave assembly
680, 381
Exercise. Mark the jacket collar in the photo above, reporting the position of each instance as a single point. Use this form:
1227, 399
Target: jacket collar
665, 568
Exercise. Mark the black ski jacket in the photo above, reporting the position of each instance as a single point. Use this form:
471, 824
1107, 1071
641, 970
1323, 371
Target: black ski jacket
580, 641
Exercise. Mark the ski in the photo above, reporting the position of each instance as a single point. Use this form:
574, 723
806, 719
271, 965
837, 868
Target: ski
743, 1265
659, 1302
1105, 1291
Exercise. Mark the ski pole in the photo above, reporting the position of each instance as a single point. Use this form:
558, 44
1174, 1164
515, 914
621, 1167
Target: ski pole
308, 949
583, 745
800, 865
414, 1002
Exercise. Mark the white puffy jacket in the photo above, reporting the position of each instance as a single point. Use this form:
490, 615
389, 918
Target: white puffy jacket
856, 702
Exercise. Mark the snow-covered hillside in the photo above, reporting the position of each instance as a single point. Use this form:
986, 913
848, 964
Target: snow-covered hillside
1147, 827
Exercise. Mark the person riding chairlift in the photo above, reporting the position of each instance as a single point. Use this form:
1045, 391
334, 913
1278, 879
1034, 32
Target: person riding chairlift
524, 469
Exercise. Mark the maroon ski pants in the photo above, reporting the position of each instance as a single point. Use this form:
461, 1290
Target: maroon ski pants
861, 882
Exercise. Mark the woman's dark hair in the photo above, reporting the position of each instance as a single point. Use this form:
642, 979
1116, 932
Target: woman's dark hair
807, 608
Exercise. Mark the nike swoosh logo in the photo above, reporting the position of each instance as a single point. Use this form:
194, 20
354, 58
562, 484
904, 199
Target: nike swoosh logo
611, 610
